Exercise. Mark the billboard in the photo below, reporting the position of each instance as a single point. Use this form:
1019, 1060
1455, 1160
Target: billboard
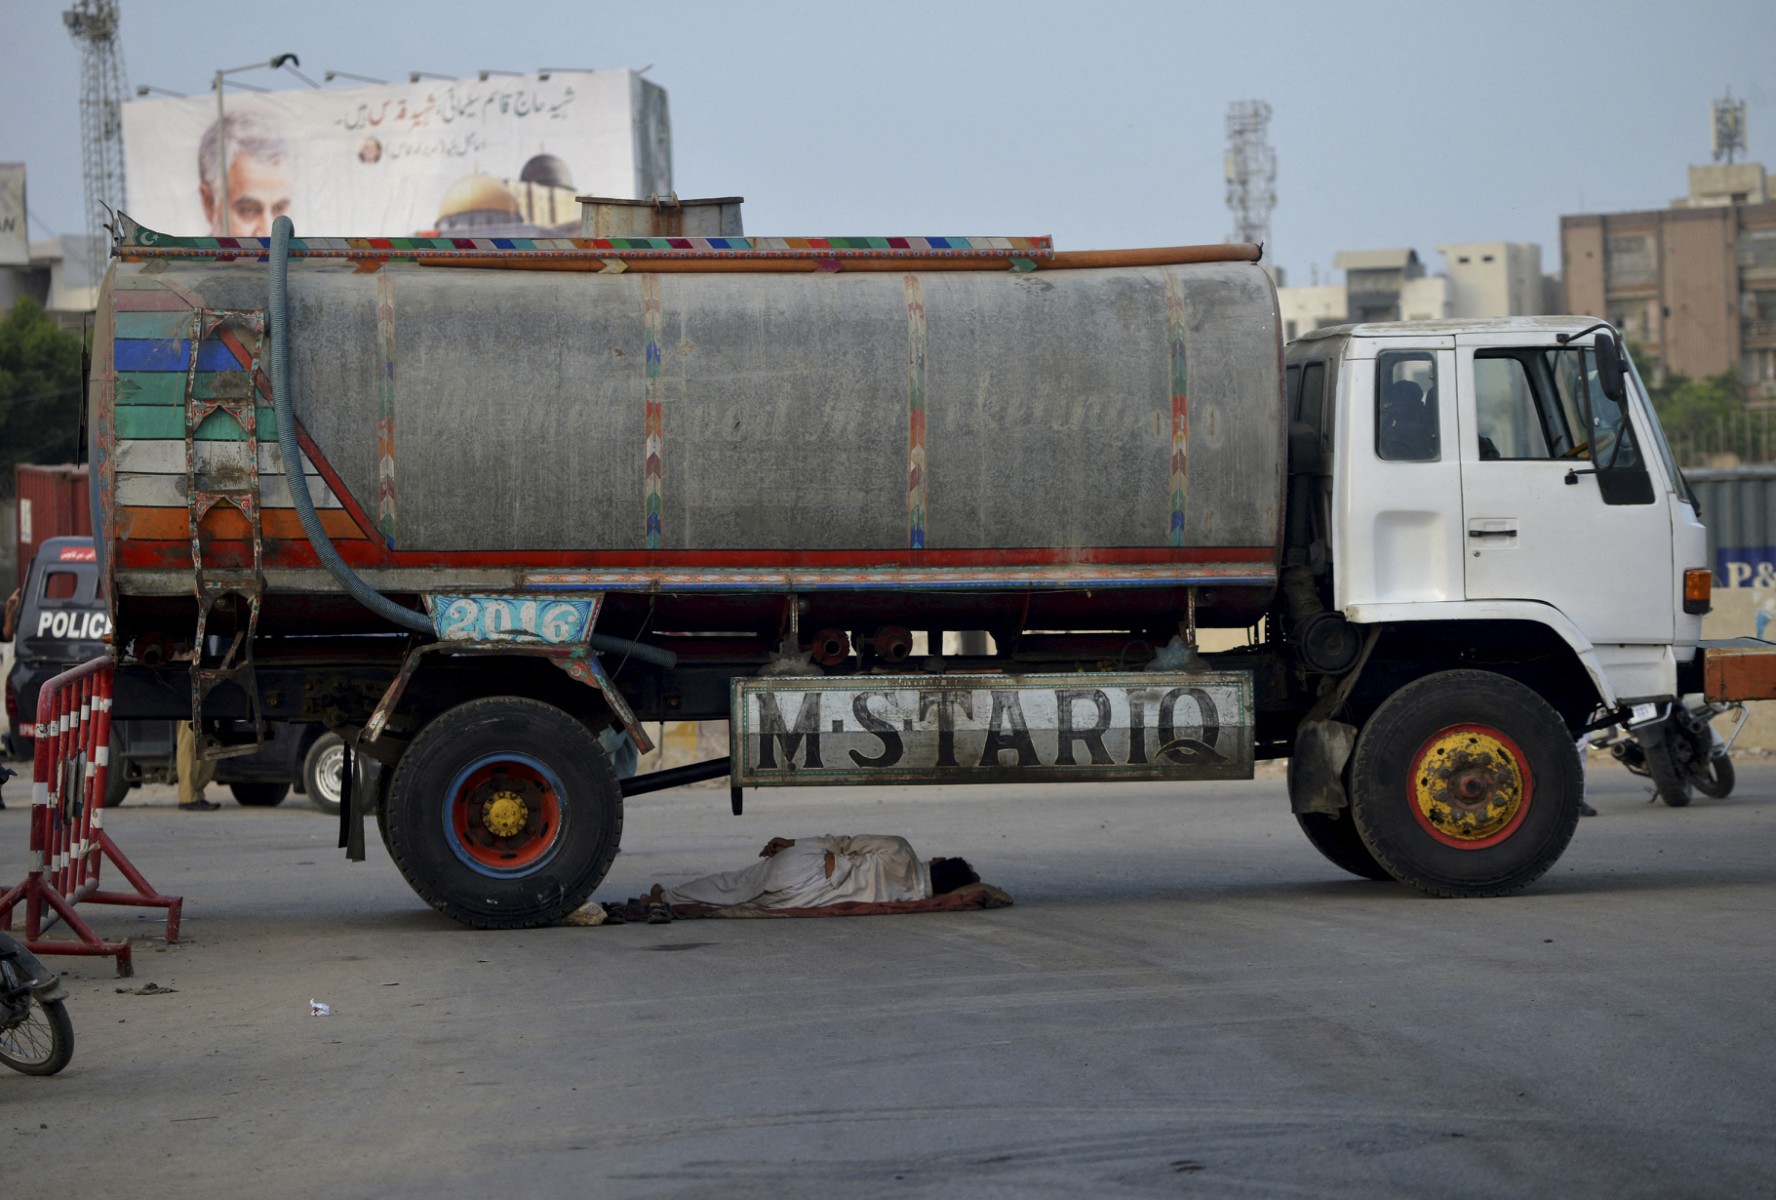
15, 242
501, 157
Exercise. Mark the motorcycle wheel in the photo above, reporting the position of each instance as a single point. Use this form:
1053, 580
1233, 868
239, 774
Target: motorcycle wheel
1715, 779
42, 1043
1671, 779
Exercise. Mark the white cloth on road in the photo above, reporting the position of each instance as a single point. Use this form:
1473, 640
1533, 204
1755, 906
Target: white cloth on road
866, 867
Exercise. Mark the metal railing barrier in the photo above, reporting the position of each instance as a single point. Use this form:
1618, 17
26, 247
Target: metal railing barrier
68, 839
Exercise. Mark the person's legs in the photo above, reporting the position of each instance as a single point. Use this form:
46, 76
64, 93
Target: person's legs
194, 772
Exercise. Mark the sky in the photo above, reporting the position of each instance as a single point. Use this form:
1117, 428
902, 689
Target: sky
1100, 122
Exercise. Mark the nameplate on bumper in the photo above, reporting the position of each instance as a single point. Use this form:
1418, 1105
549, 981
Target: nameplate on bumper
990, 728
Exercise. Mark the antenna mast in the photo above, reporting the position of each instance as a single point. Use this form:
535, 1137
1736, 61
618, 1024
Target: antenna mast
1727, 132
93, 24
1251, 170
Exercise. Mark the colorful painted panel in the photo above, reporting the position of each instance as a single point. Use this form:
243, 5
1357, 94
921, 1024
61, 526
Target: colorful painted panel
548, 620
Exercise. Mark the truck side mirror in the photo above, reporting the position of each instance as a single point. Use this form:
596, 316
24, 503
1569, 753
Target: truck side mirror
1611, 374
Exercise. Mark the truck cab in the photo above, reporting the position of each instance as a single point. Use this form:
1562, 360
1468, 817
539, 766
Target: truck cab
1480, 472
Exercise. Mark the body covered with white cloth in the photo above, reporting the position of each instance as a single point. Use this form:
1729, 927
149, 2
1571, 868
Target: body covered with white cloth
831, 869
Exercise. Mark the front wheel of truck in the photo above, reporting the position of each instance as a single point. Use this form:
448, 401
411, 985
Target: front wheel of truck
1466, 783
504, 813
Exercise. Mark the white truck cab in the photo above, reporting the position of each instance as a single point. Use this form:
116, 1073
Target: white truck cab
1505, 470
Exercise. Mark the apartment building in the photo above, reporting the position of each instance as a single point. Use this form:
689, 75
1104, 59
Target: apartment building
1694, 284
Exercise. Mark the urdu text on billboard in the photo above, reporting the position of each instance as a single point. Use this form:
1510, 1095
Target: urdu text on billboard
492, 158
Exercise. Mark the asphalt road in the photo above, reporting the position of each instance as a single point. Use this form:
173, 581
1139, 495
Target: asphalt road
1185, 1001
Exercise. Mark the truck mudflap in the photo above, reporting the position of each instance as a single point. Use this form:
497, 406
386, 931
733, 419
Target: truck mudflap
1737, 669
991, 728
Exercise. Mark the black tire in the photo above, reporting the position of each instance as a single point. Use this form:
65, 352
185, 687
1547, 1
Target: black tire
1335, 836
117, 783
1670, 777
1716, 778
504, 813
1466, 783
321, 772
260, 795
43, 1043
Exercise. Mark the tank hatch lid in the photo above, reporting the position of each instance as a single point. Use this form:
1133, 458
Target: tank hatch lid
660, 216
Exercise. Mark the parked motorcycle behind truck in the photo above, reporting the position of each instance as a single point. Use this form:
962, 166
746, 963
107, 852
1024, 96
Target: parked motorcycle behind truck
1678, 748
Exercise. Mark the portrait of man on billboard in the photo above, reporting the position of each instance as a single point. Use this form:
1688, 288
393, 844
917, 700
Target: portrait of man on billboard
259, 181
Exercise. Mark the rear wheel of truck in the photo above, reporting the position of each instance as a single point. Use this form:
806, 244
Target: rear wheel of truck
504, 813
1465, 783
1335, 836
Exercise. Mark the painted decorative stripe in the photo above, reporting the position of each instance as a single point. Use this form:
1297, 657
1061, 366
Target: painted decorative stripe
1180, 402
168, 388
915, 302
226, 524
164, 491
139, 242
131, 354
159, 324
143, 300
149, 456
909, 578
385, 408
163, 421
653, 448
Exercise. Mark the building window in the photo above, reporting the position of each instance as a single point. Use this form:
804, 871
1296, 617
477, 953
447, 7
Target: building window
1629, 261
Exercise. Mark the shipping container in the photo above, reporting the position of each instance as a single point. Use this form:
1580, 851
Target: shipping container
53, 501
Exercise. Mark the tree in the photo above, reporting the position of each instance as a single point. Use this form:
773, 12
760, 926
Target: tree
1703, 417
39, 390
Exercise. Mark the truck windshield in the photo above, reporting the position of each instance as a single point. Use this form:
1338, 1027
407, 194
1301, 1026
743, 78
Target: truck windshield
1658, 439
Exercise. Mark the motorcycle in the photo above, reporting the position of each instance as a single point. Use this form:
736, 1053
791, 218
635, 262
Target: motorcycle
36, 1035
1678, 748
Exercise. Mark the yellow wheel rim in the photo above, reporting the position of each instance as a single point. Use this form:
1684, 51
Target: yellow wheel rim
504, 814
1470, 787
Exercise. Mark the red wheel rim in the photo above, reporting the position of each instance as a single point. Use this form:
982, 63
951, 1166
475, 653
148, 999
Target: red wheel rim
505, 815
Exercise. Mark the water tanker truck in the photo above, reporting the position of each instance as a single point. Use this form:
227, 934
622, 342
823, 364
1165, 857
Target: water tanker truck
478, 504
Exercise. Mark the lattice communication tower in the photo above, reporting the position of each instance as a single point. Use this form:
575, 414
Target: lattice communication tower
93, 24
1727, 129
1251, 170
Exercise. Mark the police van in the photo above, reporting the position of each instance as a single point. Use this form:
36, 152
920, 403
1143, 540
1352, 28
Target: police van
62, 623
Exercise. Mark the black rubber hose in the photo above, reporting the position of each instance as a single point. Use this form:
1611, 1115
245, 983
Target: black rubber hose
363, 593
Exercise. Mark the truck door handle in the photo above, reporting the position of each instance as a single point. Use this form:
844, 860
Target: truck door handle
1492, 533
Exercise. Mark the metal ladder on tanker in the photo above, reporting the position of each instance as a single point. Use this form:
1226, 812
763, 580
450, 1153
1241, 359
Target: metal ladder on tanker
219, 482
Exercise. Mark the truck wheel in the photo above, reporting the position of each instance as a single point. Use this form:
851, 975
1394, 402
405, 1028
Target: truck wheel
322, 769
504, 813
260, 795
1336, 837
1465, 783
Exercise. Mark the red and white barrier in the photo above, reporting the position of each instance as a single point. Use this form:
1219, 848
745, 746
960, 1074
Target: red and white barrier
68, 840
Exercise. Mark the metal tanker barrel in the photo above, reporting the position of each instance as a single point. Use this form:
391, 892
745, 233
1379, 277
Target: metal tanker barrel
1039, 448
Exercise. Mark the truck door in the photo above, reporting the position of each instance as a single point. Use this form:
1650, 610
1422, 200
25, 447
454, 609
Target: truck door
1557, 503
1395, 526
